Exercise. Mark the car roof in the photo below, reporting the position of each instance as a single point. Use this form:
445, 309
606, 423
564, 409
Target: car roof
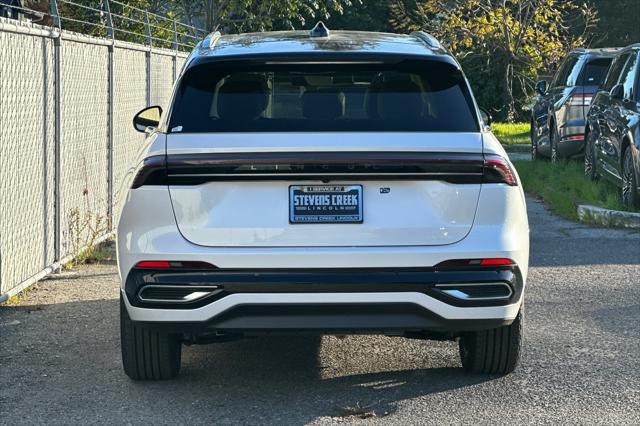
339, 44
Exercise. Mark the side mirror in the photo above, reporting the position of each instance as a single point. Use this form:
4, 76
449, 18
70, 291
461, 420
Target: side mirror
617, 92
486, 117
541, 87
148, 117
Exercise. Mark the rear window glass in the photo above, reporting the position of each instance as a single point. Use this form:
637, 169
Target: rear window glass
594, 72
410, 96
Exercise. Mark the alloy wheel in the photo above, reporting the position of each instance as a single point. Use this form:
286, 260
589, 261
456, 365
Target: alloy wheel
628, 180
589, 159
534, 143
554, 146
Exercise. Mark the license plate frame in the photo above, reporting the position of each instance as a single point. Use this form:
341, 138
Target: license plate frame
331, 210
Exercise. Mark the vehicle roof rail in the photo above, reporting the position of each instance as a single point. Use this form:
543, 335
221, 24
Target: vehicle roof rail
428, 39
210, 41
579, 49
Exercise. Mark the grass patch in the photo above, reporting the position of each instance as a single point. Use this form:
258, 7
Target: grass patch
512, 133
22, 296
104, 252
562, 186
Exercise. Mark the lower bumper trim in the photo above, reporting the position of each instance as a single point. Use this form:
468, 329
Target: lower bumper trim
395, 318
368, 312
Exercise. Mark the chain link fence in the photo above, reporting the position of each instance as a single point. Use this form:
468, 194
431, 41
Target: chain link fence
66, 138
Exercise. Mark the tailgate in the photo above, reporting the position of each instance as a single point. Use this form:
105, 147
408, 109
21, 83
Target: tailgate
241, 190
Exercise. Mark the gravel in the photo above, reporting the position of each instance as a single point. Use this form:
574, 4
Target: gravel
60, 360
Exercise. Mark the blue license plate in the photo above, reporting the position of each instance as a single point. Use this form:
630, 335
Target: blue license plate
325, 204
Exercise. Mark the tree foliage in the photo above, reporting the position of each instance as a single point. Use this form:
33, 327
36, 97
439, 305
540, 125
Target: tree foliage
234, 16
617, 24
502, 44
367, 15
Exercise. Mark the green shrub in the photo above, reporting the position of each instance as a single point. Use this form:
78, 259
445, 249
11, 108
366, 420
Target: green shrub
562, 186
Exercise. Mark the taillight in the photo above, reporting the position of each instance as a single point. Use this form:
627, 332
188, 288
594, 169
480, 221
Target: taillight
153, 264
580, 99
500, 261
152, 172
497, 170
491, 261
166, 264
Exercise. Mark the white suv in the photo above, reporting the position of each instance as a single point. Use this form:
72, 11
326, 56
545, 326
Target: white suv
321, 183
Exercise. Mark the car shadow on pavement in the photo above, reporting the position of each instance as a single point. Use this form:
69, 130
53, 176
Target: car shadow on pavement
70, 351
296, 371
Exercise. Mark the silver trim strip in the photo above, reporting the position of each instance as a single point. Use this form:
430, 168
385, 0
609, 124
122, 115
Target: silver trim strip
197, 294
460, 294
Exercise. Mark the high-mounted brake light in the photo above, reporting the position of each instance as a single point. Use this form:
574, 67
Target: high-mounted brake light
165, 264
492, 261
498, 170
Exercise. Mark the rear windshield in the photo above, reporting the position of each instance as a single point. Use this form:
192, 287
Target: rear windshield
594, 72
410, 96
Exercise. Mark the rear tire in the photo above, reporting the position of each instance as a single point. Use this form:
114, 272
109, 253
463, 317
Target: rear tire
590, 166
630, 196
534, 141
554, 156
495, 351
148, 354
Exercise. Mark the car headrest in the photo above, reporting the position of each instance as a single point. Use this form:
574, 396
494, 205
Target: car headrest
321, 105
242, 99
399, 99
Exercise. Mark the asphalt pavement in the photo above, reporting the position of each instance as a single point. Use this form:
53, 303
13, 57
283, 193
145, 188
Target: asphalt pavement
60, 356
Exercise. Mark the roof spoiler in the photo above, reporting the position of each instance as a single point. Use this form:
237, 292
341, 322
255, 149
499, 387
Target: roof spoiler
428, 39
210, 41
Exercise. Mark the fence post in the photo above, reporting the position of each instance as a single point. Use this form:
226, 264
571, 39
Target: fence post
147, 27
53, 5
175, 50
57, 224
175, 35
148, 55
110, 109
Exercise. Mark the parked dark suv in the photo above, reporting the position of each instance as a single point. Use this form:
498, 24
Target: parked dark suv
613, 129
558, 116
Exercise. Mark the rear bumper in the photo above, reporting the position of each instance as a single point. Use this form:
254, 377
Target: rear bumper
326, 301
572, 138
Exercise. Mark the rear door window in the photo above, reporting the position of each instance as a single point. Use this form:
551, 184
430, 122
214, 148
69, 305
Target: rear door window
254, 97
628, 76
614, 72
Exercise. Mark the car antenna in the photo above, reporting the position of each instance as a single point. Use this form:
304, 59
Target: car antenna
320, 30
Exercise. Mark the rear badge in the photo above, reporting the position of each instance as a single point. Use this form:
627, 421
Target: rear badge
385, 190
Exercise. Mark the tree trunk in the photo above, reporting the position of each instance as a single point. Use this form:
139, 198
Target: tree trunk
507, 92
